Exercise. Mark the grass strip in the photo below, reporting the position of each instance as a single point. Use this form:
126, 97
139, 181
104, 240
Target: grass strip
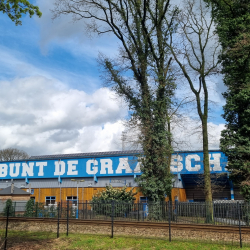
48, 241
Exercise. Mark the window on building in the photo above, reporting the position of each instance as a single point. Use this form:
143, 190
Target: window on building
33, 198
50, 200
73, 199
31, 191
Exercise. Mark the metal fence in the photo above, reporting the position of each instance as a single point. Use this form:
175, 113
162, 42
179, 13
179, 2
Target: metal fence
224, 213
215, 213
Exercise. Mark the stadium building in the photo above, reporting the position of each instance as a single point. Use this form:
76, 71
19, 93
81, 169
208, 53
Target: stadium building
52, 178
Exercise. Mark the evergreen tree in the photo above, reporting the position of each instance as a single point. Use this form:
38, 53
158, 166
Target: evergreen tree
29, 208
233, 27
8, 206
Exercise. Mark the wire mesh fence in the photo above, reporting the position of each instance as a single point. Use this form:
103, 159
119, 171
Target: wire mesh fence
217, 214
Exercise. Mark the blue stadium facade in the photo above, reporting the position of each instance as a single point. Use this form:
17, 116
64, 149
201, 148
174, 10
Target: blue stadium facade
116, 168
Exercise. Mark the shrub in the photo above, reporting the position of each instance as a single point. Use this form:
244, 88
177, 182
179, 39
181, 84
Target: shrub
29, 208
119, 198
9, 205
114, 194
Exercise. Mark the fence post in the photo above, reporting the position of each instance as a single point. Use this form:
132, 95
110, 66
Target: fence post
138, 212
169, 219
176, 210
61, 209
213, 212
67, 217
6, 230
58, 219
144, 209
14, 210
239, 213
112, 219
86, 211
247, 213
90, 214
36, 205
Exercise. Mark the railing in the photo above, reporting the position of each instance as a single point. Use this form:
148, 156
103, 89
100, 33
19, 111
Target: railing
223, 213
182, 213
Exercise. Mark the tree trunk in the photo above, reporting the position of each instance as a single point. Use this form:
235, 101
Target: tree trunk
207, 178
169, 155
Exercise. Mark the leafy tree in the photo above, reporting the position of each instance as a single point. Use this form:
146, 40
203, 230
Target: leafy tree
142, 73
8, 206
11, 154
233, 28
16, 8
29, 208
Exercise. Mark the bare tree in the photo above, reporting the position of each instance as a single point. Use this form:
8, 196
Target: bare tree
11, 154
196, 55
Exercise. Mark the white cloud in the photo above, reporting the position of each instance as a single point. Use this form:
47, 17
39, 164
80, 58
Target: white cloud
187, 134
71, 35
42, 118
42, 115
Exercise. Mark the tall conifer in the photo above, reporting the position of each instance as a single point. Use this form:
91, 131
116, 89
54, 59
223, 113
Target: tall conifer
233, 28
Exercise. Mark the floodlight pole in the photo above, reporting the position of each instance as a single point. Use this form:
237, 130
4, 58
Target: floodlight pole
77, 182
123, 140
77, 203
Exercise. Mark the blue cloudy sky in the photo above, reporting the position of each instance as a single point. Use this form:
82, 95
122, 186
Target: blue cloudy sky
52, 99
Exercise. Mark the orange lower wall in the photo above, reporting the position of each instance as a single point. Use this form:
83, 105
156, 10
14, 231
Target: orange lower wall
87, 193
178, 194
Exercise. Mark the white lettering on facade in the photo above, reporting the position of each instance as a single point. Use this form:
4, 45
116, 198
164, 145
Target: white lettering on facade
41, 165
3, 170
176, 164
12, 166
59, 168
215, 162
106, 164
72, 168
89, 169
138, 167
123, 165
28, 169
187, 163
189, 166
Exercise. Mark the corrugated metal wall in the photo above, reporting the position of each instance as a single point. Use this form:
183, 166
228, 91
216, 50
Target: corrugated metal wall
197, 194
237, 195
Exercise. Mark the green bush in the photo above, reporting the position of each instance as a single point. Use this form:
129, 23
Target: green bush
114, 194
121, 200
